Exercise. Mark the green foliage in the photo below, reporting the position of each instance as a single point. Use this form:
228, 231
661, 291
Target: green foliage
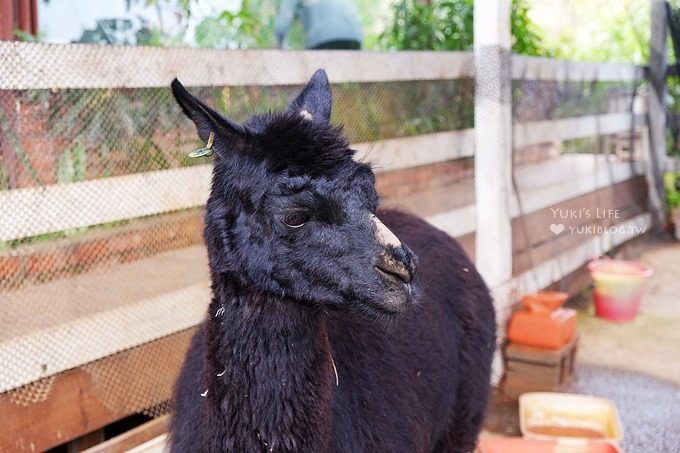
443, 25
159, 36
600, 30
526, 38
184, 5
73, 164
28, 37
106, 125
673, 88
448, 25
244, 28
672, 194
4, 179
15, 144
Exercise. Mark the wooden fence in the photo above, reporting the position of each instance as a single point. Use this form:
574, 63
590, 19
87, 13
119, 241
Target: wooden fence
155, 301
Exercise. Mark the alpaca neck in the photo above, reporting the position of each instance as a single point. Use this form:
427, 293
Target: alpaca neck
271, 369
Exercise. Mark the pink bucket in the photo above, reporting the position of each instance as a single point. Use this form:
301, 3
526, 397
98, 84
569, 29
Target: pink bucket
618, 287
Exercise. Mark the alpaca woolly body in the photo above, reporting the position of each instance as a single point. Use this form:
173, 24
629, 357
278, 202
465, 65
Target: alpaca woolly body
319, 337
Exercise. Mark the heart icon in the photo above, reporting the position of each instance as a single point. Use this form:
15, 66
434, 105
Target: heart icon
556, 228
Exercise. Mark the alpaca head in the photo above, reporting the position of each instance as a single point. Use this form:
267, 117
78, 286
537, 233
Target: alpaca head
292, 214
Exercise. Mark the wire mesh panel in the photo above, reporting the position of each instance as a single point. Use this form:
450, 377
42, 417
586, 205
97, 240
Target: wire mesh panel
101, 227
579, 144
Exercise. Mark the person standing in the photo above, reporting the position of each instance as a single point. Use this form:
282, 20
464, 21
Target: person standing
328, 24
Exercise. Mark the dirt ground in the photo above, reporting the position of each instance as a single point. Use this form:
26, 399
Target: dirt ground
635, 364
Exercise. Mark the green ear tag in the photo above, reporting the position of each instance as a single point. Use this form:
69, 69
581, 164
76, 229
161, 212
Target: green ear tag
207, 151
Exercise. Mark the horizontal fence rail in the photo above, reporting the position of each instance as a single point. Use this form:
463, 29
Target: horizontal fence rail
35, 66
537, 132
57, 66
547, 69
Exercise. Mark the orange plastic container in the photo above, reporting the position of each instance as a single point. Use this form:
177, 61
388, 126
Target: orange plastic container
542, 323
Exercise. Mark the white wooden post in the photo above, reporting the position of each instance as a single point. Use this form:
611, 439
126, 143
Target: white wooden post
493, 141
657, 108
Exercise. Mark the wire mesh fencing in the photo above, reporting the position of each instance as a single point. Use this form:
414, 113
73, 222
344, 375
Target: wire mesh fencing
68, 273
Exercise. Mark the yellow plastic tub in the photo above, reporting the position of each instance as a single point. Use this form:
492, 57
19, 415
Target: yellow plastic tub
555, 416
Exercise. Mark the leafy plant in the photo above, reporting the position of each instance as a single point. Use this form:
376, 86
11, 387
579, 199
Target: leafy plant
526, 38
25, 36
443, 25
672, 181
241, 29
73, 164
122, 122
9, 134
448, 25
159, 35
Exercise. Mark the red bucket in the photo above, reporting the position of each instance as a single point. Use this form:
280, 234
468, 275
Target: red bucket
619, 286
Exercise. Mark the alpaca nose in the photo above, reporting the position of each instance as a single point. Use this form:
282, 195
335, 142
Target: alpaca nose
393, 268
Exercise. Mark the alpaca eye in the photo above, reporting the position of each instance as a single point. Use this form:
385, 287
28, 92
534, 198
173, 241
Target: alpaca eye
295, 219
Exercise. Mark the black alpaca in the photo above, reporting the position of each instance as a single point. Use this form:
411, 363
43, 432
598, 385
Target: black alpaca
318, 337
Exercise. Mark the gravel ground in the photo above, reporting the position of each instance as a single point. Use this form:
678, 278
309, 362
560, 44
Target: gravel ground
649, 408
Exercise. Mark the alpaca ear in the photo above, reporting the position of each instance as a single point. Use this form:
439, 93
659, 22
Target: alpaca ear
314, 102
206, 119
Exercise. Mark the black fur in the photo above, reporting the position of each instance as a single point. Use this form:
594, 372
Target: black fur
291, 306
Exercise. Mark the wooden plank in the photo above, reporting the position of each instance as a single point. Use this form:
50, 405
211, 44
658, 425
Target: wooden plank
69, 412
493, 141
59, 66
155, 445
75, 406
63, 206
467, 241
155, 67
549, 69
538, 132
543, 377
554, 181
100, 313
397, 184
400, 153
629, 197
540, 356
133, 438
457, 222
46, 261
86, 441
